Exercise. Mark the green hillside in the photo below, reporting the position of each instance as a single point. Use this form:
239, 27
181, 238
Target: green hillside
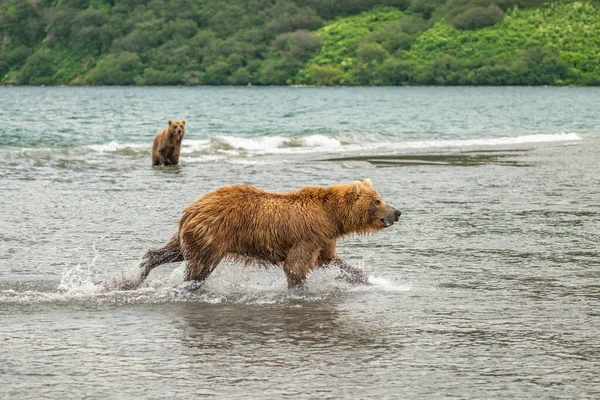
556, 44
337, 61
323, 42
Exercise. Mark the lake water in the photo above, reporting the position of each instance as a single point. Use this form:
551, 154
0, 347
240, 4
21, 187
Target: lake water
488, 287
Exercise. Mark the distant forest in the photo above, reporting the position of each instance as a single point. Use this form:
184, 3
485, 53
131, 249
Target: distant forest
293, 42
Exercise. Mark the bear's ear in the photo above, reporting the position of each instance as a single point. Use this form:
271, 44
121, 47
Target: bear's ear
357, 187
183, 122
170, 122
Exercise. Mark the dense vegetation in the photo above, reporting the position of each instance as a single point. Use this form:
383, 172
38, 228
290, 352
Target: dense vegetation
276, 42
558, 43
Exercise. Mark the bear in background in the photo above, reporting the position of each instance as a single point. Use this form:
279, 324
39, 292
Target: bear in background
167, 144
297, 230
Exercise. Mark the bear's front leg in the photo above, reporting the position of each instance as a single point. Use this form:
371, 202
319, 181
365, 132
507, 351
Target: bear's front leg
350, 274
158, 160
353, 275
165, 155
300, 262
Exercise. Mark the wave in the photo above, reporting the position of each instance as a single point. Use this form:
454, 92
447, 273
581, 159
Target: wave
118, 147
322, 143
501, 141
239, 149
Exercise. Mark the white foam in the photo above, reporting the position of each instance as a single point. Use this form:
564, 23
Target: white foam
280, 144
195, 145
321, 141
386, 285
254, 161
262, 144
501, 141
231, 147
116, 146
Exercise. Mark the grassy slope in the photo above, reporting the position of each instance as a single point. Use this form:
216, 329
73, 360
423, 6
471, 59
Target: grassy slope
341, 37
569, 30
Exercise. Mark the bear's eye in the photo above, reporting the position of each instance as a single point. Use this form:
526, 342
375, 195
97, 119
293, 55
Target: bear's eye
377, 202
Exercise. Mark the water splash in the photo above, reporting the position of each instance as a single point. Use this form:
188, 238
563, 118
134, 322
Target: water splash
80, 278
384, 284
229, 283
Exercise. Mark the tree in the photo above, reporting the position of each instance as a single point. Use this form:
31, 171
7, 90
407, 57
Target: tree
326, 75
302, 45
478, 17
115, 69
22, 21
38, 70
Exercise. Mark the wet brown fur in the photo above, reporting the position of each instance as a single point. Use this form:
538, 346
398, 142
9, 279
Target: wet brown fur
167, 144
297, 230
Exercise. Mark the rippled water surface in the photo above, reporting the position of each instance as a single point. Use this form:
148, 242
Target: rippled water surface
488, 287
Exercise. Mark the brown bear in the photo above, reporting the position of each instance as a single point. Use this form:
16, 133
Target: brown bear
297, 230
167, 144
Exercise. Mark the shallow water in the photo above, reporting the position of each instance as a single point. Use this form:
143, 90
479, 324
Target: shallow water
488, 287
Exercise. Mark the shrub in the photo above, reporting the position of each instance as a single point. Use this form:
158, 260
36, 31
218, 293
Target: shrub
155, 77
38, 70
59, 26
89, 18
330, 9
592, 79
537, 66
241, 77
79, 4
288, 17
412, 24
18, 55
193, 78
4, 67
138, 41
277, 72
22, 20
368, 53
228, 20
396, 72
217, 74
301, 45
181, 28
325, 75
115, 69
478, 17
91, 39
400, 35
426, 7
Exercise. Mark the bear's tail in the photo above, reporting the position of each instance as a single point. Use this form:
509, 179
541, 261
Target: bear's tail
155, 257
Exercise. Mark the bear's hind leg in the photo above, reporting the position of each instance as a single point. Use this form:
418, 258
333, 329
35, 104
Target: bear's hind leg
199, 268
155, 257
197, 272
300, 262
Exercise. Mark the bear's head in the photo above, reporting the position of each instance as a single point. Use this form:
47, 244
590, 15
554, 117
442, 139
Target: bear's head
362, 209
177, 130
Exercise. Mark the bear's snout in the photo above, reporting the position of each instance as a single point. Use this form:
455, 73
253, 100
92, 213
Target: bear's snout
392, 216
